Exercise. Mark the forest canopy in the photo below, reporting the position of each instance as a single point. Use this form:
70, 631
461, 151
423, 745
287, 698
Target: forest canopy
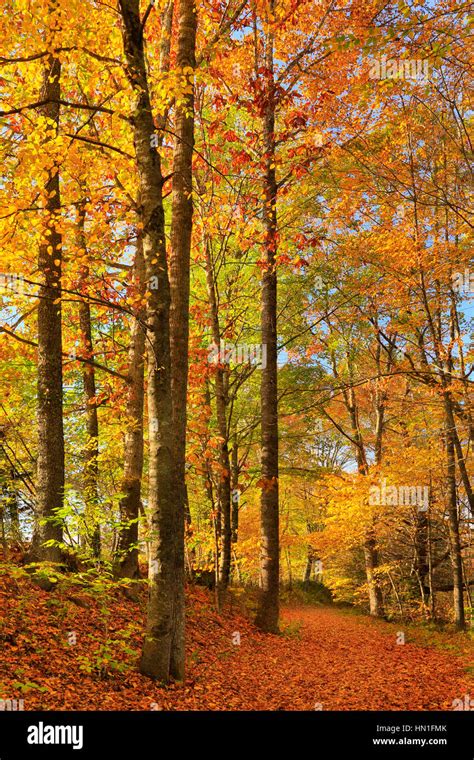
236, 288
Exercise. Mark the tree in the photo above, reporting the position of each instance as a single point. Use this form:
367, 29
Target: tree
162, 622
181, 231
50, 462
126, 556
268, 610
91, 453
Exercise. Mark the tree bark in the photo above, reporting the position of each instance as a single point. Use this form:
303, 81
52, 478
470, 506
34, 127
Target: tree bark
371, 564
421, 551
235, 472
371, 556
308, 567
161, 622
91, 467
126, 556
221, 384
50, 462
462, 462
91, 452
453, 520
180, 261
268, 607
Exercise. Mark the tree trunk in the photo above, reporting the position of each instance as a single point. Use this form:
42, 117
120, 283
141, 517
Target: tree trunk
462, 462
161, 622
421, 551
91, 469
371, 564
50, 462
308, 567
430, 568
91, 453
288, 565
221, 384
453, 521
180, 260
371, 555
235, 470
268, 607
126, 556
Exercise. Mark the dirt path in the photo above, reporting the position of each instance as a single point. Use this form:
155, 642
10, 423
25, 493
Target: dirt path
325, 659
338, 661
331, 660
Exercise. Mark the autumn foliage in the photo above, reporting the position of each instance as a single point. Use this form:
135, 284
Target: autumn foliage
235, 347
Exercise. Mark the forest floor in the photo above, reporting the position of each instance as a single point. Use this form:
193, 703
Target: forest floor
78, 650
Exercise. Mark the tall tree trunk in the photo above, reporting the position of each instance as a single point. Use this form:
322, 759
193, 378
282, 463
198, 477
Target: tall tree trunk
50, 462
457, 333
453, 520
371, 564
430, 567
161, 622
126, 556
461, 459
371, 557
444, 364
226, 518
235, 470
221, 384
421, 551
268, 607
91, 468
91, 453
180, 260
